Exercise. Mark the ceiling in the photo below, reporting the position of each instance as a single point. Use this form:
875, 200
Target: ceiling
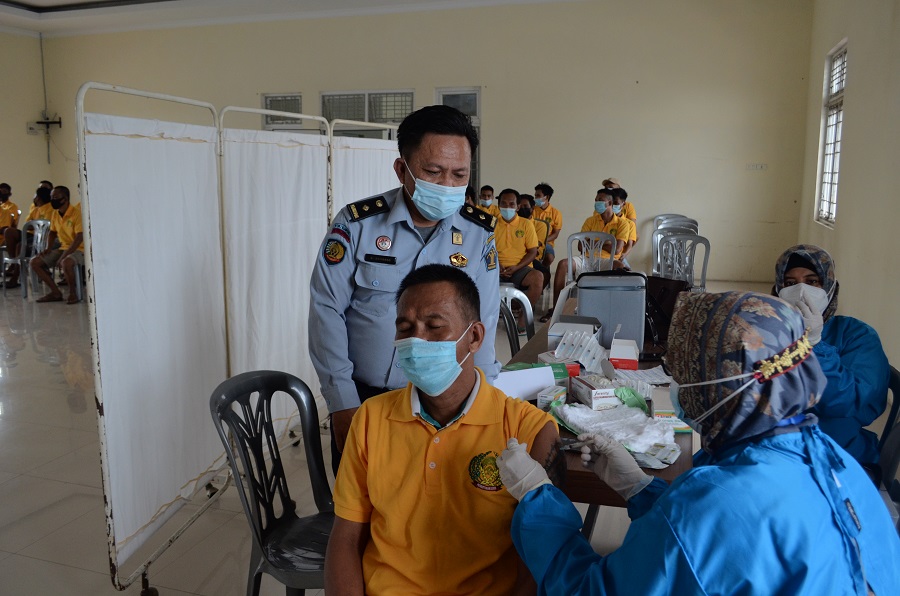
73, 17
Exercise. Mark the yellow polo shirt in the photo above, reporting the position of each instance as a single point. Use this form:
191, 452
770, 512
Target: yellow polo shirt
514, 239
45, 211
617, 227
551, 215
67, 226
628, 211
632, 228
438, 514
494, 209
542, 229
9, 214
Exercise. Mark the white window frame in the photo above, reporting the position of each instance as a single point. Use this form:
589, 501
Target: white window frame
830, 137
276, 122
439, 94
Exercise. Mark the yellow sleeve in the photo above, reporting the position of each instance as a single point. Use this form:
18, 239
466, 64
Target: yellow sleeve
531, 239
557, 220
629, 211
623, 230
76, 221
351, 489
586, 226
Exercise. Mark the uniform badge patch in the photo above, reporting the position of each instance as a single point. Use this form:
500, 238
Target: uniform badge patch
341, 230
484, 472
383, 243
490, 259
520, 233
457, 238
459, 260
334, 252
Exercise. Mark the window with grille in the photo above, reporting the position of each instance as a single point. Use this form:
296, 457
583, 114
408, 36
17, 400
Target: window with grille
282, 102
468, 101
384, 107
833, 122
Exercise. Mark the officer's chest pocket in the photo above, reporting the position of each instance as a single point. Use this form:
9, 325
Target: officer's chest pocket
376, 288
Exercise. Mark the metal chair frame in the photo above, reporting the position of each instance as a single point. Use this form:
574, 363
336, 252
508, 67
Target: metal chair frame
508, 294
287, 547
41, 229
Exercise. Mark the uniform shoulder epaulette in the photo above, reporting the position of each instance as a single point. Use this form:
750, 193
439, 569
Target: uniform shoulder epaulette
368, 207
476, 215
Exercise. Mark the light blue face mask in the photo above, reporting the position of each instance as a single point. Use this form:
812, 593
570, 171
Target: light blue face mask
617, 209
507, 214
485, 203
430, 365
695, 423
540, 202
600, 206
435, 201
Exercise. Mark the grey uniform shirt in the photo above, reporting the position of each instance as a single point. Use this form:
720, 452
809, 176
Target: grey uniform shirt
372, 246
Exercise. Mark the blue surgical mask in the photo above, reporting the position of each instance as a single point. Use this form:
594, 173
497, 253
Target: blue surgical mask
430, 365
695, 423
435, 201
617, 209
507, 214
600, 206
485, 203
540, 202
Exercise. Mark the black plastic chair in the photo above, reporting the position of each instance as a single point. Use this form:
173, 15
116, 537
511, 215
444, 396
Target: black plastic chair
894, 388
289, 548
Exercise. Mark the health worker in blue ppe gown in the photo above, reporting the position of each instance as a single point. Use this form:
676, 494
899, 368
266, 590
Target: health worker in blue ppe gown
374, 243
848, 350
773, 504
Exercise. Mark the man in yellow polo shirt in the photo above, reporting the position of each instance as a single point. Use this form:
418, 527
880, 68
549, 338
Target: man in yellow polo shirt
419, 503
517, 247
627, 211
544, 211
603, 220
65, 224
40, 209
486, 201
619, 197
9, 211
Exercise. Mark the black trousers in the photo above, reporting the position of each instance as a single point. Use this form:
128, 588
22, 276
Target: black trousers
365, 392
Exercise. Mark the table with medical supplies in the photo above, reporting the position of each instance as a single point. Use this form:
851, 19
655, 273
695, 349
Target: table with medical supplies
581, 484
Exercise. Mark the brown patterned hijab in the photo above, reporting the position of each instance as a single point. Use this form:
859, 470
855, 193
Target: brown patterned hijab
715, 336
820, 262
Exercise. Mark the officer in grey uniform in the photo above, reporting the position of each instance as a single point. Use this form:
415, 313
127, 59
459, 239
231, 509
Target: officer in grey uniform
374, 243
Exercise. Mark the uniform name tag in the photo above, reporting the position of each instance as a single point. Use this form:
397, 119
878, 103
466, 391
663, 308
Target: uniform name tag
381, 259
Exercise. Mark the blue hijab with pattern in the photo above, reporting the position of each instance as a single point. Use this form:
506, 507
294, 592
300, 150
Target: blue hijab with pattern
715, 336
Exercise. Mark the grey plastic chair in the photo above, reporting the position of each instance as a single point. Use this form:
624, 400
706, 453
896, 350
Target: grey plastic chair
678, 254
663, 216
590, 244
41, 229
655, 242
681, 223
289, 548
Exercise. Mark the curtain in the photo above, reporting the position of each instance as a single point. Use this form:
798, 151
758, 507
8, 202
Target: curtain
362, 168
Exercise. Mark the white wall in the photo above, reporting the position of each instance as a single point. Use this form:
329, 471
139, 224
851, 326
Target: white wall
674, 98
867, 215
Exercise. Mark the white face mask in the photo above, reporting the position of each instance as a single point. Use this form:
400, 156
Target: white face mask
817, 297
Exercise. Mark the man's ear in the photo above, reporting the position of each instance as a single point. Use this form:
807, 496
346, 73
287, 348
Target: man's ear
477, 332
400, 170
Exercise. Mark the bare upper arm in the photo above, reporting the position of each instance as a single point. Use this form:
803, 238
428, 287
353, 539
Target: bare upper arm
546, 450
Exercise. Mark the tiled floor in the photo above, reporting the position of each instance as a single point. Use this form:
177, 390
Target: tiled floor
52, 523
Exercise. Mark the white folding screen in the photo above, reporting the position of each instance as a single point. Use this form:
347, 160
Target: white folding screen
156, 267
275, 186
362, 168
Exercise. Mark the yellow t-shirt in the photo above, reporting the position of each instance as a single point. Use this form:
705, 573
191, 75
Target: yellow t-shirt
617, 227
67, 226
552, 216
628, 211
45, 211
9, 214
438, 514
514, 239
542, 229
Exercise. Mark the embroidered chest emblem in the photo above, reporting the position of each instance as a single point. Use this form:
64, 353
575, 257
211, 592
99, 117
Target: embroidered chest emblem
520, 233
484, 472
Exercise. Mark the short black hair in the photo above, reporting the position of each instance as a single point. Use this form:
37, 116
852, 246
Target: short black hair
528, 198
63, 189
620, 193
47, 182
439, 120
470, 192
43, 193
6, 186
508, 191
487, 187
545, 188
466, 291
607, 191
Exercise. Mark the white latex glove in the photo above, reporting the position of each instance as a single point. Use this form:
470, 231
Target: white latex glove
614, 465
812, 319
518, 470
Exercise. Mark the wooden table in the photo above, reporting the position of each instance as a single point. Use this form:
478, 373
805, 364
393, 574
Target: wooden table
582, 485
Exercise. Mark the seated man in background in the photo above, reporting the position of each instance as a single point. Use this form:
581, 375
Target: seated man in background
848, 350
419, 503
544, 211
603, 220
65, 224
486, 201
628, 211
541, 228
517, 247
619, 195
9, 211
40, 209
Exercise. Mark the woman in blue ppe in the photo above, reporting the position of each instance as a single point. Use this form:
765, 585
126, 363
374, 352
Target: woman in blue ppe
774, 506
848, 351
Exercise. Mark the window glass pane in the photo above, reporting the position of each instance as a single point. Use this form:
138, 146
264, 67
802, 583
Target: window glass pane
349, 106
467, 103
389, 107
838, 79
